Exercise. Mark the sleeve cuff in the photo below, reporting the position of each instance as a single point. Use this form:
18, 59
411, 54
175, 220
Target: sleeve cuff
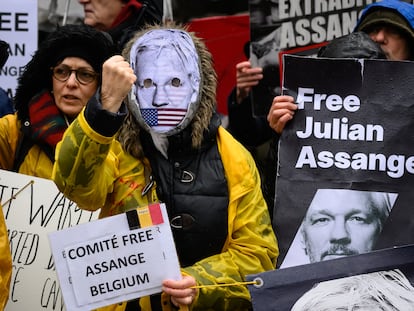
103, 121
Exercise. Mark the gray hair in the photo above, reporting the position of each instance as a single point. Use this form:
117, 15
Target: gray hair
388, 290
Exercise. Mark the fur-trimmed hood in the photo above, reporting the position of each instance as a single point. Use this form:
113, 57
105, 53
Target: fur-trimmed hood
71, 40
206, 105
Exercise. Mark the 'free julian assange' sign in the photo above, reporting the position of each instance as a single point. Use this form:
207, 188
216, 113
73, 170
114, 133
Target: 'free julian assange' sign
115, 259
352, 133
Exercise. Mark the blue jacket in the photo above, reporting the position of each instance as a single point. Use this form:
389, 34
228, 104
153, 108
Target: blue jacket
6, 105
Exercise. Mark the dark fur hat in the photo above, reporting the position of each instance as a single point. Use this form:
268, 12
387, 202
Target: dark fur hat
67, 41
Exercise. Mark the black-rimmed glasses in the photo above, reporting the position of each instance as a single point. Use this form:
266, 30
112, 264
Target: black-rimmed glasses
84, 76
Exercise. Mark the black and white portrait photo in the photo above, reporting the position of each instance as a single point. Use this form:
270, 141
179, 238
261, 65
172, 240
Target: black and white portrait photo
338, 223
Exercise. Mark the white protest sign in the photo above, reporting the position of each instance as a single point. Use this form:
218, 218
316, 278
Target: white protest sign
19, 28
106, 261
33, 207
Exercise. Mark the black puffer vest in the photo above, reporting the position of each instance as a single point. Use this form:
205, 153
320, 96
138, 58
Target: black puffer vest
193, 186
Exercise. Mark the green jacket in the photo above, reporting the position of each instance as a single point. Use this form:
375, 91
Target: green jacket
95, 172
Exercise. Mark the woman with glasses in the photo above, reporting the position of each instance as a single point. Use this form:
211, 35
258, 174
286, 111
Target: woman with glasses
62, 76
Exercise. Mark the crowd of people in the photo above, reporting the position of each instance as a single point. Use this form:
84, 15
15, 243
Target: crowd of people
120, 112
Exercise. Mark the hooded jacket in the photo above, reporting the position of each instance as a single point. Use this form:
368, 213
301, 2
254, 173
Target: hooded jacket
400, 9
396, 13
113, 180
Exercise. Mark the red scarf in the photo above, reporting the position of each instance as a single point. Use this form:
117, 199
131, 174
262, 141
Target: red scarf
131, 6
46, 121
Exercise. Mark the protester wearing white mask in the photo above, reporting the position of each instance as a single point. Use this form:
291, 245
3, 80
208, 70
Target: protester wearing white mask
170, 147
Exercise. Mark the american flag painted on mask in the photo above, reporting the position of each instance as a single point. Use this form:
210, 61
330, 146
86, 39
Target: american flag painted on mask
163, 116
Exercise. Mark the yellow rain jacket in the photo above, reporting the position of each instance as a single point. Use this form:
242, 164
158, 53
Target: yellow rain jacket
36, 163
95, 172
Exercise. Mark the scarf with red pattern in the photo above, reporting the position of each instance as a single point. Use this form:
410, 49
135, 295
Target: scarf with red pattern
46, 121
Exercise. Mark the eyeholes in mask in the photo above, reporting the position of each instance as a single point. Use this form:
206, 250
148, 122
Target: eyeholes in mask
147, 83
176, 82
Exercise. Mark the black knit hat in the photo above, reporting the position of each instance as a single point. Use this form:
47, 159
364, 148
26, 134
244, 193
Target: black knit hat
67, 41
354, 45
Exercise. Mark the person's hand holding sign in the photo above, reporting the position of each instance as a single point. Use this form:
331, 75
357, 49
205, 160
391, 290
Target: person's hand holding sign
282, 110
182, 292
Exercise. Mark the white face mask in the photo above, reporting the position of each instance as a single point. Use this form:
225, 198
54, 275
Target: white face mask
166, 91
